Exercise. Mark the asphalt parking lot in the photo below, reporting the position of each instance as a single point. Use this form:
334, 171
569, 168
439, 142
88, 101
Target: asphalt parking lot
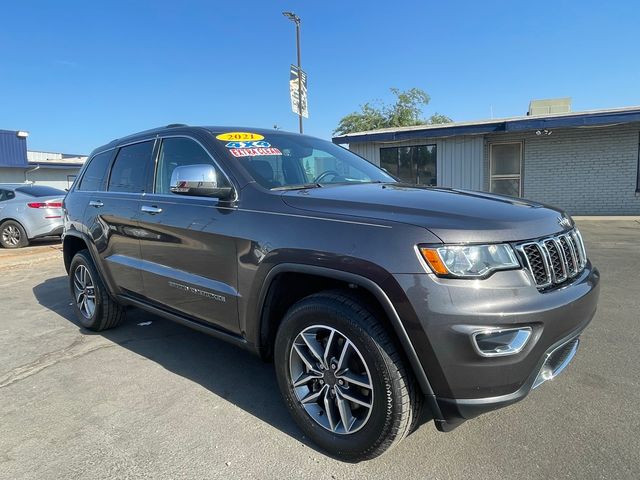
153, 399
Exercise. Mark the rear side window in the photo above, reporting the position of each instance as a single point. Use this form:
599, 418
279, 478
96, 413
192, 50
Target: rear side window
40, 191
6, 195
129, 172
96, 173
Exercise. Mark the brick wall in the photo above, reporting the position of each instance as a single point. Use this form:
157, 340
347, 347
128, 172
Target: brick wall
586, 171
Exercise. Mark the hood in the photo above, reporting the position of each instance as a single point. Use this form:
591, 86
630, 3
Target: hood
455, 216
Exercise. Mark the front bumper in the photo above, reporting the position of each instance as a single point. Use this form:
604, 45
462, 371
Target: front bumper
466, 384
456, 411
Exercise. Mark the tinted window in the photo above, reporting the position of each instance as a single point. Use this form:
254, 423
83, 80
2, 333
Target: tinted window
40, 191
6, 195
129, 172
177, 152
96, 173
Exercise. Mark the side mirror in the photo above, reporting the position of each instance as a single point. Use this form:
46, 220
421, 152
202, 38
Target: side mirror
198, 180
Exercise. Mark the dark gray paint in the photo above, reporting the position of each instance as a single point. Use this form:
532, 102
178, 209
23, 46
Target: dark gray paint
367, 232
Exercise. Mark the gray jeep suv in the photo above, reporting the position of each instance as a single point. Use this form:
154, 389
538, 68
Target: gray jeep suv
381, 304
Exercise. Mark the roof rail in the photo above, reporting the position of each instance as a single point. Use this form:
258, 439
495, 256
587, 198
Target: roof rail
172, 125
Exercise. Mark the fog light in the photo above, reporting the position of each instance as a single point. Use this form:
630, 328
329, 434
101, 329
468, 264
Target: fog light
500, 341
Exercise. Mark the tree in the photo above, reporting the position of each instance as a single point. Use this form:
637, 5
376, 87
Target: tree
405, 112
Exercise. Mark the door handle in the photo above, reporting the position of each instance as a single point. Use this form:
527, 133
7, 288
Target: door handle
150, 209
96, 203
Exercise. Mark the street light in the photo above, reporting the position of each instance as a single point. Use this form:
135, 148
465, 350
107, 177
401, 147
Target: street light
296, 19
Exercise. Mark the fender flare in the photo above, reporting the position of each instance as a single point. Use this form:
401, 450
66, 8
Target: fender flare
94, 256
376, 291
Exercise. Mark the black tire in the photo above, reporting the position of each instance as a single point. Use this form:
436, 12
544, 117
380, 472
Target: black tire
106, 312
13, 235
396, 402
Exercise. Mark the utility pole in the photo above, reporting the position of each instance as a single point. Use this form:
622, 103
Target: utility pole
296, 19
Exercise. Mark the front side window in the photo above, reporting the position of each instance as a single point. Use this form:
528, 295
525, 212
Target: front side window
414, 164
129, 172
95, 175
505, 163
179, 152
281, 160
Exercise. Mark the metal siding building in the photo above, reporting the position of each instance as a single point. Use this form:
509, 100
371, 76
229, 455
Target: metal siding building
459, 159
587, 163
18, 165
13, 149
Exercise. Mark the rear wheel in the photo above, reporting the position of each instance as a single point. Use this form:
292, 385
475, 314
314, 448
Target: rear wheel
94, 308
13, 235
343, 378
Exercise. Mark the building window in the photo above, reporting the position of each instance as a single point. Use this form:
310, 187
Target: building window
505, 166
414, 164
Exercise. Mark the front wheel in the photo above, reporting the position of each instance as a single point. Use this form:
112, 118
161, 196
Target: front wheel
342, 377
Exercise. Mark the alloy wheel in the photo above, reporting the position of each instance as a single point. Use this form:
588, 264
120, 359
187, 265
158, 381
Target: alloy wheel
331, 379
11, 235
84, 291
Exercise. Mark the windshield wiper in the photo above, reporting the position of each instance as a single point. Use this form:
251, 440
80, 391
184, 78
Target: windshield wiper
301, 186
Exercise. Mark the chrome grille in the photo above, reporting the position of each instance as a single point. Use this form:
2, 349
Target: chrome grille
569, 254
554, 260
535, 260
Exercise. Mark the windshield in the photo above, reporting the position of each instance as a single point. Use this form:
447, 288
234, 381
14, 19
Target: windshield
281, 161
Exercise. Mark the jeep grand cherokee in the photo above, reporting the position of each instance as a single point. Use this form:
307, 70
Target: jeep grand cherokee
375, 299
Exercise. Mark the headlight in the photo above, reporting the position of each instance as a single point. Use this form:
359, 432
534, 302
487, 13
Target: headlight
469, 261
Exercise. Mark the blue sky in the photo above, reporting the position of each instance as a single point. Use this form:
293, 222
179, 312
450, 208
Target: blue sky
77, 74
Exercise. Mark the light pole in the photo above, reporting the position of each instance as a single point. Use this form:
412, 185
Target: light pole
296, 19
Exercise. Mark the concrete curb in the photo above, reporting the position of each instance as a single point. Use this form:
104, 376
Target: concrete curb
621, 218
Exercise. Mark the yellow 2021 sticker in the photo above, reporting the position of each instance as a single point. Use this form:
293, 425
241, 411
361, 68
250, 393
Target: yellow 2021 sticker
239, 136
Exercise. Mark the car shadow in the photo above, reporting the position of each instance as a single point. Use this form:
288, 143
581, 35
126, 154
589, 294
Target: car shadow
225, 370
45, 241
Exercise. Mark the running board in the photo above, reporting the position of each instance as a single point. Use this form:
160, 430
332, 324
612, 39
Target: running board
188, 322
